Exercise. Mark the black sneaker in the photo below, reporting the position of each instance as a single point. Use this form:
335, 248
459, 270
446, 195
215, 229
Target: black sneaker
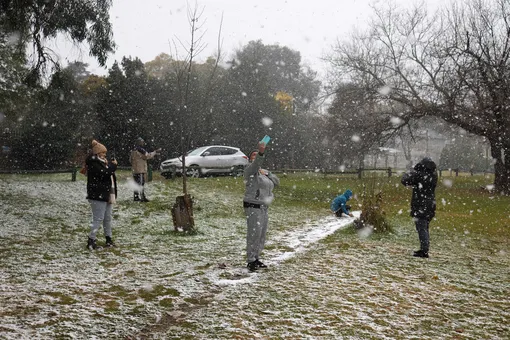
420, 253
109, 242
144, 199
260, 264
91, 244
252, 266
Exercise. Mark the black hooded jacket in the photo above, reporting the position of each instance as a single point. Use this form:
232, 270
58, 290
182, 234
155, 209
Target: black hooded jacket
99, 179
423, 179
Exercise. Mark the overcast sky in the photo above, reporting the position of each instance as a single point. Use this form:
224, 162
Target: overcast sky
146, 28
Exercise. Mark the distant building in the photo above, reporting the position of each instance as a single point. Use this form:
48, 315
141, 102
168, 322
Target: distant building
427, 143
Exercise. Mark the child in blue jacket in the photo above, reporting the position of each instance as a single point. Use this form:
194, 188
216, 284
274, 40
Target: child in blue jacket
339, 205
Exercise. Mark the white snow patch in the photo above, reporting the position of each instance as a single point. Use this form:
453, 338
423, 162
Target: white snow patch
395, 121
384, 90
267, 121
448, 183
300, 240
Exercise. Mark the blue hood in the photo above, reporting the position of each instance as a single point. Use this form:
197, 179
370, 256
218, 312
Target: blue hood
348, 193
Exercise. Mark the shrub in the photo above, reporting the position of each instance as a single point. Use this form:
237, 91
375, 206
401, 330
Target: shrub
372, 212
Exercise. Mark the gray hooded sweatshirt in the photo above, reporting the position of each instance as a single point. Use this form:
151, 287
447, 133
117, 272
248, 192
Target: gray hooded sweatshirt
259, 187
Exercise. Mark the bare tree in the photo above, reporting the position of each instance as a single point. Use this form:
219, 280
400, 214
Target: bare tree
453, 64
186, 86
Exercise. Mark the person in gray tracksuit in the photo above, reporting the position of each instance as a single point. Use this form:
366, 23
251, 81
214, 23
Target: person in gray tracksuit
257, 198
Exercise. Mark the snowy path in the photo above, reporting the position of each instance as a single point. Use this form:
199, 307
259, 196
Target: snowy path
293, 242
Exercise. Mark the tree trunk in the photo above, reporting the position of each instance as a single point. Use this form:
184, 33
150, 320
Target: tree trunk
501, 153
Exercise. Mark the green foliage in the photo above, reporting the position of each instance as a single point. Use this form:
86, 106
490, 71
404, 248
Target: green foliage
258, 72
49, 132
225, 106
123, 110
355, 112
12, 71
36, 21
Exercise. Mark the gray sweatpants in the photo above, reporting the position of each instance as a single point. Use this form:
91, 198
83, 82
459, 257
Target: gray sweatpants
101, 214
256, 220
422, 227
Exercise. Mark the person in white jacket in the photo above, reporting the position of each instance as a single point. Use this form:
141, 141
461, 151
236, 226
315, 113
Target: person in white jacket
138, 159
257, 198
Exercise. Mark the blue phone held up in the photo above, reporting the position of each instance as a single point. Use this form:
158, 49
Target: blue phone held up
265, 140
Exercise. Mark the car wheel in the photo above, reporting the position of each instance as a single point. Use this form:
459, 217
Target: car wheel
193, 171
238, 171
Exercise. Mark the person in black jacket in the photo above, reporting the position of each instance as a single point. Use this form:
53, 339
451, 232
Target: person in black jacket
101, 193
423, 179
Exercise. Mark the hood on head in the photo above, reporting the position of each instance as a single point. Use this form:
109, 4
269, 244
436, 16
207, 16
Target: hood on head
348, 193
139, 141
426, 164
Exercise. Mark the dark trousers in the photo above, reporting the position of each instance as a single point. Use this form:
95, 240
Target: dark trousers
140, 180
339, 212
422, 227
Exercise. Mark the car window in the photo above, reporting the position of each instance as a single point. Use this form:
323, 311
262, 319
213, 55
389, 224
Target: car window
228, 151
196, 152
214, 151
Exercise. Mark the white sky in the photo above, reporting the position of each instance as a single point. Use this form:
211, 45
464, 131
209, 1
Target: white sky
147, 28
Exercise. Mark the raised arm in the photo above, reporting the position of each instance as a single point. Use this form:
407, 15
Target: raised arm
252, 168
410, 178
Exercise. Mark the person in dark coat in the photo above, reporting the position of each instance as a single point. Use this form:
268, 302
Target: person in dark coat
101, 193
423, 179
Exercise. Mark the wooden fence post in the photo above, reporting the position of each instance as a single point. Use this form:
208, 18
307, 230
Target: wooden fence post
389, 172
457, 172
73, 174
360, 173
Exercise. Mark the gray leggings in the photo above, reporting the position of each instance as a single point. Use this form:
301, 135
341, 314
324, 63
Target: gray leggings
101, 214
256, 220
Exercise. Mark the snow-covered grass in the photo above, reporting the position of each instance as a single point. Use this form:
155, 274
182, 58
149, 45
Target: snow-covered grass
158, 283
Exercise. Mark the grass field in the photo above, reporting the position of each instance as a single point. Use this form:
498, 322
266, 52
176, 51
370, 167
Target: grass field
159, 284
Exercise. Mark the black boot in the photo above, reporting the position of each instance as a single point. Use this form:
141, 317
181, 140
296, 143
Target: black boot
144, 199
109, 242
136, 197
260, 264
252, 266
421, 253
91, 244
